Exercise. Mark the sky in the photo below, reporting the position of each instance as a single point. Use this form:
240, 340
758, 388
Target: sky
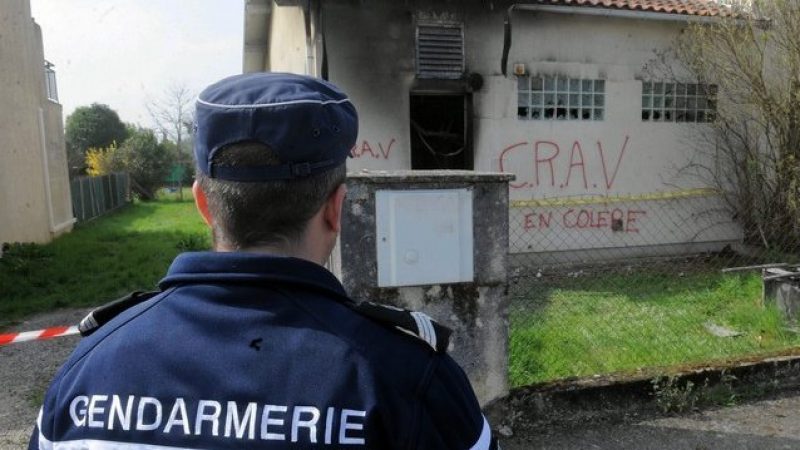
126, 53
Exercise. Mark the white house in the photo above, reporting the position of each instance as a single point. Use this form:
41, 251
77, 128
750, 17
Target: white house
559, 92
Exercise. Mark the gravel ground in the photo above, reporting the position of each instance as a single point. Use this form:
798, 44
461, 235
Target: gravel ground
26, 370
766, 424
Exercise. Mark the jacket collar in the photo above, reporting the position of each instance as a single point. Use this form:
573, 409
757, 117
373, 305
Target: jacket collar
249, 268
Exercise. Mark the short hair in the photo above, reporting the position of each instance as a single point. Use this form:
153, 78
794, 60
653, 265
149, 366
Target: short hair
265, 213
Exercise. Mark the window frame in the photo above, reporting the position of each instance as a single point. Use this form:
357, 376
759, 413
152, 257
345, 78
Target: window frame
561, 99
50, 86
675, 102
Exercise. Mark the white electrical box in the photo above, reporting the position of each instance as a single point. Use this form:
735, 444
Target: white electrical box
424, 237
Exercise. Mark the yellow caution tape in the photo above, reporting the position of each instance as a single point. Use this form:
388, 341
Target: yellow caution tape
604, 200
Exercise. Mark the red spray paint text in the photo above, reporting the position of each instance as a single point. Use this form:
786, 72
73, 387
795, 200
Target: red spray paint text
616, 219
545, 164
372, 149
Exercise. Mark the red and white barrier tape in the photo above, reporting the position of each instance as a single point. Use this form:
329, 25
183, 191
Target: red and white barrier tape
38, 335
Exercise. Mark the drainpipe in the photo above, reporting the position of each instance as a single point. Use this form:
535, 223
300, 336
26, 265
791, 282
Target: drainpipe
315, 41
324, 69
321, 32
591, 11
311, 66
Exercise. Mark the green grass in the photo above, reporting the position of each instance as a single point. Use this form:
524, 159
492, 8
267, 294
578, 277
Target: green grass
100, 260
560, 327
619, 323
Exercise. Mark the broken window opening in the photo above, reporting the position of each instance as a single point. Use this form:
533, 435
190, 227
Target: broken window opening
441, 132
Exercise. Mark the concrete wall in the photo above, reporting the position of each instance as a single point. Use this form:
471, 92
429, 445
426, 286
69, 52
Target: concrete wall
476, 311
61, 201
371, 56
31, 136
287, 40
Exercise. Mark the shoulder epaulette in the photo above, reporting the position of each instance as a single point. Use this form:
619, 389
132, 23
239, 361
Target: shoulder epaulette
102, 314
415, 323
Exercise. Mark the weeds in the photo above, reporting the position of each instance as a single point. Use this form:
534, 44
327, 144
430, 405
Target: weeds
20, 258
192, 243
675, 395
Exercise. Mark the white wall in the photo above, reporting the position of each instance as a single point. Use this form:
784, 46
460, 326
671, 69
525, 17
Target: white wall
371, 56
287, 40
621, 156
30, 130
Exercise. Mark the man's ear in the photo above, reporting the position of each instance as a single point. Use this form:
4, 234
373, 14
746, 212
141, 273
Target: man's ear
333, 208
201, 202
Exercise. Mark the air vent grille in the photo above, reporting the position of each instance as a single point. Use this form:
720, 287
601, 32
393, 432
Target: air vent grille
440, 51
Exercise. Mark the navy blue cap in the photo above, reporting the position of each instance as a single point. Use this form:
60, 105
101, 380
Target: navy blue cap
309, 123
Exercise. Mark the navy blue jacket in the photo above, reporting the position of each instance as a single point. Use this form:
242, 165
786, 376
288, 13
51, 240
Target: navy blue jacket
253, 351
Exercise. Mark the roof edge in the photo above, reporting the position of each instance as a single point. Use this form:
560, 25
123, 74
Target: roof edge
642, 8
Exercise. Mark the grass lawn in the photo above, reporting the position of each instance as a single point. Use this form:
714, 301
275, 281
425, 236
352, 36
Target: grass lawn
615, 323
100, 260
560, 327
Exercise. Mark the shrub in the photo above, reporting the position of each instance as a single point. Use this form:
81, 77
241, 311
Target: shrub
146, 160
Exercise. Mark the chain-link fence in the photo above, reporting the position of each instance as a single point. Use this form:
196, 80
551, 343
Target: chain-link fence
637, 283
95, 196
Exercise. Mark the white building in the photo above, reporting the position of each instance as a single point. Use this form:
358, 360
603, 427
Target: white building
35, 203
560, 92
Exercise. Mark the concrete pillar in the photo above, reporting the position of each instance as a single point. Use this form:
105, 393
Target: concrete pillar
23, 217
781, 289
34, 183
476, 310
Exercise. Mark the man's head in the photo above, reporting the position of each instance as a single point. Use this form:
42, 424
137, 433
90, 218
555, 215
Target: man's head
271, 151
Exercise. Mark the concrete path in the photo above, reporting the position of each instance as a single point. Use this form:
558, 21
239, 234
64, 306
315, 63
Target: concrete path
767, 424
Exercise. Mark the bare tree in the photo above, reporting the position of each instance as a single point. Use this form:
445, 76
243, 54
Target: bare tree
173, 115
753, 147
